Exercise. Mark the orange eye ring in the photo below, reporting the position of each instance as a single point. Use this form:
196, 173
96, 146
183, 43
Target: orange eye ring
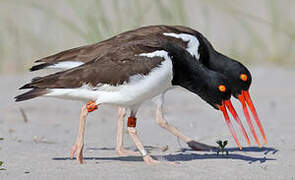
244, 77
222, 88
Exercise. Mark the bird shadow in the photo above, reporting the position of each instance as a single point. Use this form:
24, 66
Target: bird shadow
147, 147
265, 150
234, 156
188, 156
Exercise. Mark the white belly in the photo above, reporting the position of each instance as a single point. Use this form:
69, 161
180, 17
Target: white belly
139, 88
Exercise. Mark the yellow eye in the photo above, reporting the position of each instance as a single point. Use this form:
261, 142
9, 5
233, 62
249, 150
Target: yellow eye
244, 77
222, 88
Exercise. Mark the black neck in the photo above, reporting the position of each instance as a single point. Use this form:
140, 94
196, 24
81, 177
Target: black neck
214, 60
188, 72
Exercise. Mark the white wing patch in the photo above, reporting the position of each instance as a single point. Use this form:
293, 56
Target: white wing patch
193, 42
65, 65
161, 53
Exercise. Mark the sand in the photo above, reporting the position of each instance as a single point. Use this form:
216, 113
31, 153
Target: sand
38, 146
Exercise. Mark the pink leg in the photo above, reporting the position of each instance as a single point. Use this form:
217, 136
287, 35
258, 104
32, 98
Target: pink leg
120, 127
164, 124
78, 147
147, 158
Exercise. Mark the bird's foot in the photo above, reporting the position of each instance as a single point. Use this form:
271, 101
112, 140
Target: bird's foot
173, 162
78, 150
149, 160
124, 152
200, 146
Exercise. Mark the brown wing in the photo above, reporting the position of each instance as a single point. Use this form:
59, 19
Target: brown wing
83, 53
97, 50
114, 68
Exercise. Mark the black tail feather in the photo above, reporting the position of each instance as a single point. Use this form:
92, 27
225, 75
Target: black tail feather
26, 86
29, 85
31, 94
39, 60
40, 66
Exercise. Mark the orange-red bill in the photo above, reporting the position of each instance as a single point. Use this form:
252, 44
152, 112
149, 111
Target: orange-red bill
227, 120
247, 97
247, 115
236, 117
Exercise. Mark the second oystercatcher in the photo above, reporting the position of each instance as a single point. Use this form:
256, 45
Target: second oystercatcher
128, 76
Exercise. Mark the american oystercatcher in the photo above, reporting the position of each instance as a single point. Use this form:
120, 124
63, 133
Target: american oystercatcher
129, 75
195, 43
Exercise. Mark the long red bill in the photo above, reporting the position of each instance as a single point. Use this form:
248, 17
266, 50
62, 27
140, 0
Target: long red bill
253, 110
236, 117
247, 115
227, 120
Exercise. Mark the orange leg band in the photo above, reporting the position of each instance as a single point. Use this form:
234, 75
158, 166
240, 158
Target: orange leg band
131, 122
91, 106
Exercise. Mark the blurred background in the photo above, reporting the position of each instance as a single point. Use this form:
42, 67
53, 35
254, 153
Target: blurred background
37, 135
254, 32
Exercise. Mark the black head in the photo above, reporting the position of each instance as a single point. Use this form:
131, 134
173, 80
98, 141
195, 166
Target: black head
215, 89
238, 75
211, 86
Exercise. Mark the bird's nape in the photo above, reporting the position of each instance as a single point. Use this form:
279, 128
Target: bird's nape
245, 98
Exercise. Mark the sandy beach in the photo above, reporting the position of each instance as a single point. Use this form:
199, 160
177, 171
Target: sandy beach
37, 145
36, 136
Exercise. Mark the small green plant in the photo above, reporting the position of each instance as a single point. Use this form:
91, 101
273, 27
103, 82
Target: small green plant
221, 147
1, 168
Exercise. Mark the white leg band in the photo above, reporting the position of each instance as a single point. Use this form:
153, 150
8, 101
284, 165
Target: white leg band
143, 152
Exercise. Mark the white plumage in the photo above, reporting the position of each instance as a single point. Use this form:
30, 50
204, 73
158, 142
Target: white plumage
65, 65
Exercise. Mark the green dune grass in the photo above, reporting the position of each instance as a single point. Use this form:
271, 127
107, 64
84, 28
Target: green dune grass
30, 29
